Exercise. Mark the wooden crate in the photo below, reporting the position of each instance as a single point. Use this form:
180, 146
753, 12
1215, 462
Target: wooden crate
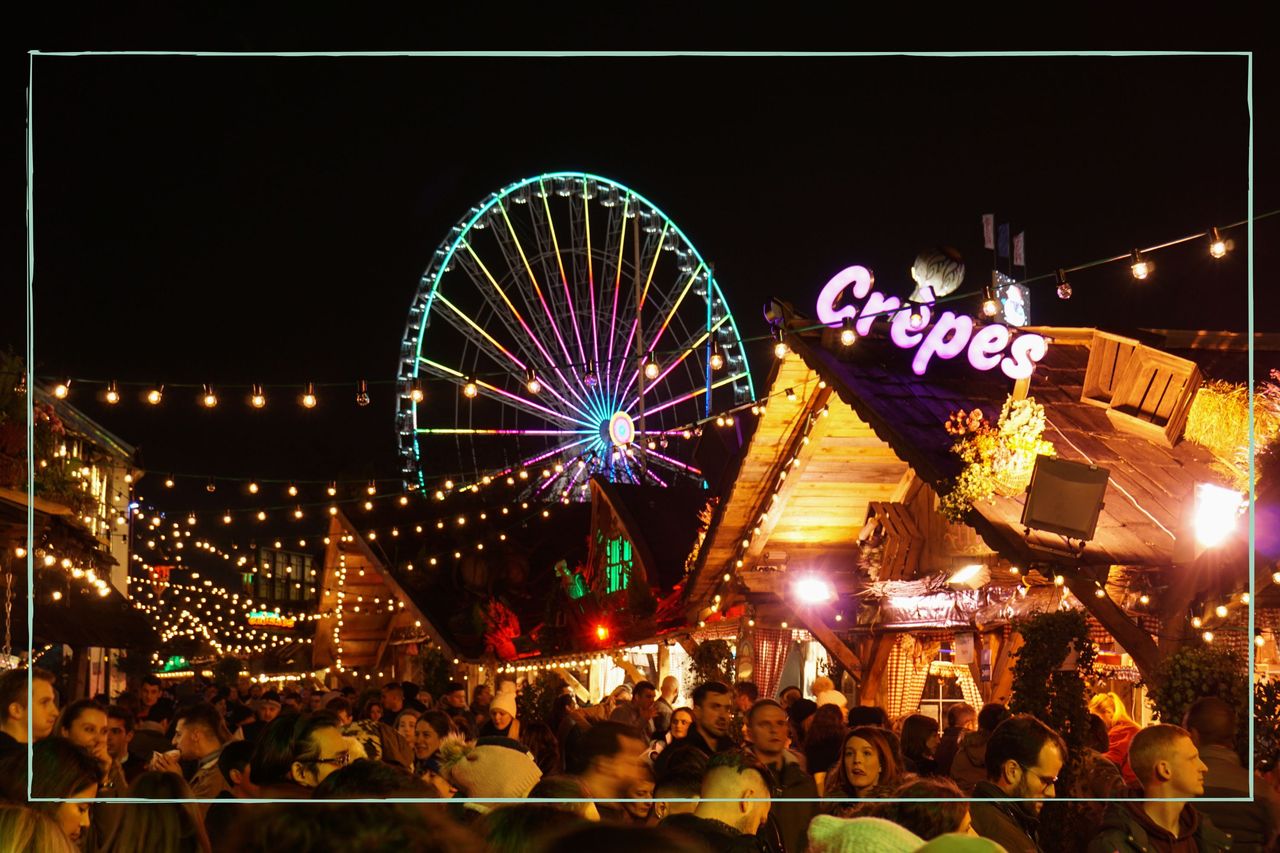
1152, 396
903, 542
1108, 356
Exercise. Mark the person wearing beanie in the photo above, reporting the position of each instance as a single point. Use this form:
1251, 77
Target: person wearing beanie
502, 720
955, 842
829, 834
494, 767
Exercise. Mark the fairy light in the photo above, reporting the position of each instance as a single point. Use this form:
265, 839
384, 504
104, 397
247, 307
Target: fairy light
309, 396
1141, 267
62, 389
209, 399
848, 335
155, 395
113, 393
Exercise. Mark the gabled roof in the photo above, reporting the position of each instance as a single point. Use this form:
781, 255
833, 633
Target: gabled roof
662, 523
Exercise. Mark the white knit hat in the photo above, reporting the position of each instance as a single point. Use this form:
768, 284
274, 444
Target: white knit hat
489, 769
829, 834
954, 842
832, 697
503, 702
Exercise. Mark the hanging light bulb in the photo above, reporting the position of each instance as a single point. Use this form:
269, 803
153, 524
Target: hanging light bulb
848, 335
415, 391
209, 399
309, 396
1221, 611
113, 393
297, 512
257, 398
589, 378
168, 482
253, 488
990, 305
211, 486
651, 369
155, 395
717, 357
372, 488
62, 389
333, 488
531, 381
1064, 286
791, 394
1141, 267
915, 319
470, 389
1217, 246
262, 516
226, 517
780, 347
1144, 599
293, 490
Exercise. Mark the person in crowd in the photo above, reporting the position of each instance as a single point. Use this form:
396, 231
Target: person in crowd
639, 809
919, 743
353, 827
665, 705
737, 776
1024, 758
238, 716
799, 718
678, 726
393, 698
611, 757
619, 838
1211, 722
314, 699
712, 717
24, 829
406, 722
84, 723
200, 736
962, 718
832, 697
340, 707
870, 766
640, 711
823, 740
265, 711
928, 819
480, 701
491, 768
13, 710
171, 827
1121, 729
767, 735
413, 696
620, 695
453, 701
233, 764
120, 723
788, 695
431, 730
679, 790
372, 779
1168, 767
829, 834
543, 746
570, 795
291, 702
296, 753
745, 694
520, 827
969, 766
371, 708
1095, 779
155, 710
502, 720
60, 770
868, 715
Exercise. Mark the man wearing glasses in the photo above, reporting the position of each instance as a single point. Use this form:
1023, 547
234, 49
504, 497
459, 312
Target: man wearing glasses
1024, 757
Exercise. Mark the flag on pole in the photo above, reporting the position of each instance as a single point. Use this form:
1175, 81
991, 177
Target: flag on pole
988, 230
1002, 241
1019, 258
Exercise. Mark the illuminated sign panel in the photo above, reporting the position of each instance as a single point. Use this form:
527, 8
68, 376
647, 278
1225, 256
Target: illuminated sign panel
269, 619
943, 336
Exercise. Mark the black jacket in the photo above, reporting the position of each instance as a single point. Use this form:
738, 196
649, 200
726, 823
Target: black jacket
1006, 822
787, 828
719, 837
692, 741
1126, 830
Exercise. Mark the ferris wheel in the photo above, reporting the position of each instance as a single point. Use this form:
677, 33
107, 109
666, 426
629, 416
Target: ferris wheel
565, 328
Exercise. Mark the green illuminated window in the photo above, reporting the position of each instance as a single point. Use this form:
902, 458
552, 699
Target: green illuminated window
617, 564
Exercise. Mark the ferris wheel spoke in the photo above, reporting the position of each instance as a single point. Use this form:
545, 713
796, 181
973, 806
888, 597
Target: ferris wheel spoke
500, 394
478, 431
591, 282
635, 324
547, 454
515, 311
564, 279
697, 392
685, 350
663, 459
617, 282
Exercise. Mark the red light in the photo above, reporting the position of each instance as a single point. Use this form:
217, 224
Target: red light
602, 633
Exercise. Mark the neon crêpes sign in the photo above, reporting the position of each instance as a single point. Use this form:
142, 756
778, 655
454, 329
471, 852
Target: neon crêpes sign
269, 619
945, 336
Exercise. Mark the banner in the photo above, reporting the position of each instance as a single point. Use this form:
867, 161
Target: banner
1002, 243
988, 230
1019, 259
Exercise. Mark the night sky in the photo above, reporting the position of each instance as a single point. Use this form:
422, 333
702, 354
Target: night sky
267, 219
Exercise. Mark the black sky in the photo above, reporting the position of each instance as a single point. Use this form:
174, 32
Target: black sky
266, 219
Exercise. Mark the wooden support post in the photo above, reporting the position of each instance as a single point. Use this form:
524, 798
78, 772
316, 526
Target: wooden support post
689, 645
664, 663
582, 693
628, 667
873, 669
832, 643
1002, 669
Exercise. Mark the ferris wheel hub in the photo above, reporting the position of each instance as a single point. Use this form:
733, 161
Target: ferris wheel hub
619, 430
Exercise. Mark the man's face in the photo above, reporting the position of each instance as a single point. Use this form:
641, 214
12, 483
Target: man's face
46, 705
767, 732
715, 713
268, 711
90, 732
456, 699
1037, 782
743, 702
150, 695
118, 739
333, 755
190, 741
483, 696
629, 765
644, 699
315, 701
1186, 770
392, 701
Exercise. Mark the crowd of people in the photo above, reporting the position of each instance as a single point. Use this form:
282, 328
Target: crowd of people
641, 770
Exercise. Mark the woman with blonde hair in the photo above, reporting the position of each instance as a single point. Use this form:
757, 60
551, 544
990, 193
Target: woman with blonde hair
1120, 731
23, 829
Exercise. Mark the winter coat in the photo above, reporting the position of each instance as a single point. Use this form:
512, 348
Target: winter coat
1006, 822
788, 820
1120, 736
969, 767
718, 836
1250, 825
947, 749
1126, 828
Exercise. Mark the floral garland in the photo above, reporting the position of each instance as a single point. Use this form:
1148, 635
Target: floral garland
998, 458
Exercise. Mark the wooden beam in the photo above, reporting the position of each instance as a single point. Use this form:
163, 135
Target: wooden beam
1137, 642
1002, 670
664, 663
689, 645
583, 694
628, 667
873, 667
845, 583
386, 641
833, 644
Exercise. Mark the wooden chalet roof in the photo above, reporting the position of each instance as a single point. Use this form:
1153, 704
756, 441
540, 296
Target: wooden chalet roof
1149, 483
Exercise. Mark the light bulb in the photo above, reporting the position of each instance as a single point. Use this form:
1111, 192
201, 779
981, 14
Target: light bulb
1144, 599
155, 395
62, 389
780, 349
1141, 268
990, 305
717, 358
1221, 611
309, 397
362, 393
209, 399
470, 389
113, 393
791, 394
1217, 246
333, 488
847, 333
532, 383
1064, 287
226, 518
651, 369
415, 391
372, 488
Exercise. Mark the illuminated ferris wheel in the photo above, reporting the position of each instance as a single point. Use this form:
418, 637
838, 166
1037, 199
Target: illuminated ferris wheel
565, 328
